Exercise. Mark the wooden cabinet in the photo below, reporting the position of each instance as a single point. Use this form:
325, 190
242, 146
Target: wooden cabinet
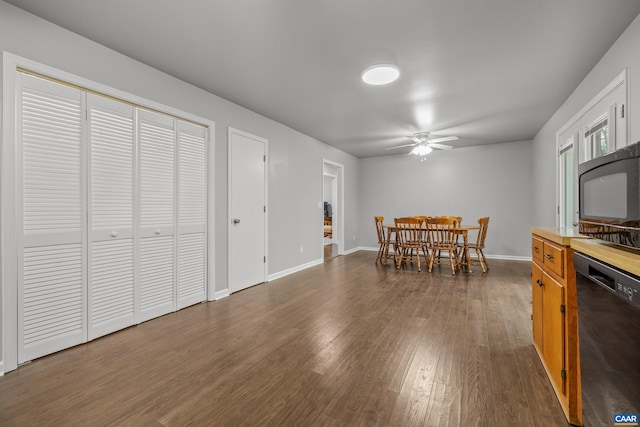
555, 318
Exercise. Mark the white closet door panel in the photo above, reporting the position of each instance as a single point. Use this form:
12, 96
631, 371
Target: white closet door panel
192, 213
111, 197
157, 214
192, 175
51, 162
157, 171
51, 206
112, 292
112, 149
156, 276
191, 269
52, 300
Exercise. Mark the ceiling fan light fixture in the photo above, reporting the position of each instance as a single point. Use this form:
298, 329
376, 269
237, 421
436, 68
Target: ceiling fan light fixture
380, 74
421, 150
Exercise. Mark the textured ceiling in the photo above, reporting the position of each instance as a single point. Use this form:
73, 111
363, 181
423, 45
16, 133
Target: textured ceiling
485, 70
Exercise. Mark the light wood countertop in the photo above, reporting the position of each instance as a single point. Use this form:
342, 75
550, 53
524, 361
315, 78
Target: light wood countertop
561, 236
624, 259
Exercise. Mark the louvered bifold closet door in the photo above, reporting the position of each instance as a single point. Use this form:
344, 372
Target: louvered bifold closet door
51, 206
157, 214
111, 130
192, 214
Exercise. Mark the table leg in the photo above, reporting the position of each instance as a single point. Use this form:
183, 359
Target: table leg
386, 247
467, 255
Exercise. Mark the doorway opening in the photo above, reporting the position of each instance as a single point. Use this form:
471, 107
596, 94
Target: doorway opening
332, 196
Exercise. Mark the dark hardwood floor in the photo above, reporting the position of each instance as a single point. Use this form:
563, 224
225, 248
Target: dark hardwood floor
346, 343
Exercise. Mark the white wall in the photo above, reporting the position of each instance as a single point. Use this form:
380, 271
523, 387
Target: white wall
295, 160
491, 180
623, 54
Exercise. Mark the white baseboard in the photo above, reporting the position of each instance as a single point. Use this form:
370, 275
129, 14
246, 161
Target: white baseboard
368, 248
221, 294
353, 250
292, 270
1, 369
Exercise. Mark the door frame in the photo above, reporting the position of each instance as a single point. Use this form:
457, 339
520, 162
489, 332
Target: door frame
231, 131
337, 212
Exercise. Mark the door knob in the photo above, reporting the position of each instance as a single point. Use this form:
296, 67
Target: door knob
236, 221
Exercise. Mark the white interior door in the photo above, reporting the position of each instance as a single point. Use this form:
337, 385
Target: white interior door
111, 130
51, 204
157, 213
247, 210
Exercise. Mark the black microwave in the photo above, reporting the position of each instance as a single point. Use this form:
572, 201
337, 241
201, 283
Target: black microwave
610, 197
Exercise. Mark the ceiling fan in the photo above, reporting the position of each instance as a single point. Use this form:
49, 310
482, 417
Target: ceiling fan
425, 142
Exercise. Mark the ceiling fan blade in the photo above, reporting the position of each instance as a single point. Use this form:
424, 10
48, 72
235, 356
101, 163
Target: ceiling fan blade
444, 139
400, 146
440, 146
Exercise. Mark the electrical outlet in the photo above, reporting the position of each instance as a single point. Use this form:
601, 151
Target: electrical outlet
301, 249
354, 237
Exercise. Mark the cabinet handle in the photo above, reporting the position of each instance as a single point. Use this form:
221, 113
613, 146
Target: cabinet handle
535, 248
548, 256
114, 234
539, 282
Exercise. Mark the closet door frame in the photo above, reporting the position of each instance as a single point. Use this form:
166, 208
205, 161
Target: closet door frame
9, 192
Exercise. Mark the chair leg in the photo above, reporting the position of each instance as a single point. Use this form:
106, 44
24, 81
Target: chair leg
453, 265
431, 257
483, 260
380, 253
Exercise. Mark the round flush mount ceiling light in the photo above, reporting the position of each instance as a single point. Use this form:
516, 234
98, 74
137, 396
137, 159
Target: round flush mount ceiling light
380, 74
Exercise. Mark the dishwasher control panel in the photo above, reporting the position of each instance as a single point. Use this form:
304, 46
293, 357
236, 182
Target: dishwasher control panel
619, 282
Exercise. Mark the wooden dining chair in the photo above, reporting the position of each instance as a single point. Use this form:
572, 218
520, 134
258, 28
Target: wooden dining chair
409, 233
457, 239
382, 241
425, 235
442, 238
478, 246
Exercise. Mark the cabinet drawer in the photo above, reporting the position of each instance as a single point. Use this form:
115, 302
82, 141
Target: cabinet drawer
553, 258
536, 248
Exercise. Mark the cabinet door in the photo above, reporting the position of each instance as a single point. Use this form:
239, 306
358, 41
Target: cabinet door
553, 346
537, 305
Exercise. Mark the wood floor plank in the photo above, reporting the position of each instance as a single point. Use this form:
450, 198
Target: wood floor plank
345, 343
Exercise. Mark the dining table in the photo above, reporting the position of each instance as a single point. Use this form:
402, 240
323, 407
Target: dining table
461, 229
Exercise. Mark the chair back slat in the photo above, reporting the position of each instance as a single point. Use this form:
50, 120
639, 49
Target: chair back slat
442, 233
379, 229
482, 233
409, 231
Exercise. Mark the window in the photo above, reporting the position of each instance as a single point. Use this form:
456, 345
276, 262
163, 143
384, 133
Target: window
597, 139
599, 128
568, 206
